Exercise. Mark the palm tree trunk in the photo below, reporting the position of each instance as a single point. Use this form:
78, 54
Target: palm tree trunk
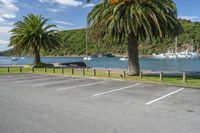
133, 61
37, 57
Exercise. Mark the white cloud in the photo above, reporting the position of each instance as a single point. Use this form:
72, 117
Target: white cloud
6, 24
8, 9
63, 23
63, 2
60, 28
192, 18
4, 37
58, 9
88, 5
3, 45
3, 42
53, 10
8, 16
5, 32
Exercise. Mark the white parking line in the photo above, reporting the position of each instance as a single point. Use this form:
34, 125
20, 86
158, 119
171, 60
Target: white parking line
11, 75
160, 98
106, 92
42, 79
22, 77
56, 82
82, 85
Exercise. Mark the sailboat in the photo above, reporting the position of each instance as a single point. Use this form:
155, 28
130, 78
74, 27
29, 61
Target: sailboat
87, 58
14, 59
123, 58
175, 55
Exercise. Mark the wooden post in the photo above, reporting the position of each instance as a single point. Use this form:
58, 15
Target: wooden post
72, 71
83, 71
141, 74
54, 70
45, 69
124, 73
20, 69
8, 69
94, 72
161, 76
33, 69
184, 78
108, 73
62, 70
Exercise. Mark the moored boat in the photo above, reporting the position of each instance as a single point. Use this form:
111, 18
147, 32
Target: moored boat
123, 58
79, 64
87, 58
14, 59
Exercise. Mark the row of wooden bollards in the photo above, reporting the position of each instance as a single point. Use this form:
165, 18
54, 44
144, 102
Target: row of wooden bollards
83, 71
95, 72
162, 76
20, 69
124, 75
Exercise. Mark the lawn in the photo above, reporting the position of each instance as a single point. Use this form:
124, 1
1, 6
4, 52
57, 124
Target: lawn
192, 81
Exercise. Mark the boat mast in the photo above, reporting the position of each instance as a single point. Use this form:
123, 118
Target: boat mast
192, 48
176, 45
86, 41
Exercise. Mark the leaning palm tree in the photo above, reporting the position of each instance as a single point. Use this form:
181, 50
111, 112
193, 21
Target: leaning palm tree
134, 20
32, 35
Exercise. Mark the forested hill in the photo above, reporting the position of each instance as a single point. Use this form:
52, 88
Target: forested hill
74, 43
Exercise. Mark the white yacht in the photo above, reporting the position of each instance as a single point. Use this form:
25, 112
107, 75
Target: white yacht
159, 56
175, 55
181, 55
170, 55
87, 58
14, 59
123, 58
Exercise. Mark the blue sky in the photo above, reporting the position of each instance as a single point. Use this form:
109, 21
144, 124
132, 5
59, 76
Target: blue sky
66, 14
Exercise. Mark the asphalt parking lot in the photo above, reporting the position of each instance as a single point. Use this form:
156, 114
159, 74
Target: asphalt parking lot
36, 103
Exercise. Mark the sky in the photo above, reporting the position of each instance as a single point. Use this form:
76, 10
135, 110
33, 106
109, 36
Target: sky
67, 14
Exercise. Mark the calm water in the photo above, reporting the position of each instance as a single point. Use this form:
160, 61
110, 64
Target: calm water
114, 62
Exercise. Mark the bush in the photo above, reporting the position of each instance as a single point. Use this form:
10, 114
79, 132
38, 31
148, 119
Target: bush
42, 65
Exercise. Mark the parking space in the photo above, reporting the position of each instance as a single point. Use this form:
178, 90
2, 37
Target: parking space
78, 104
21, 77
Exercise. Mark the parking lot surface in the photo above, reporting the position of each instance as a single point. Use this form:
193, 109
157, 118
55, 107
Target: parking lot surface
38, 103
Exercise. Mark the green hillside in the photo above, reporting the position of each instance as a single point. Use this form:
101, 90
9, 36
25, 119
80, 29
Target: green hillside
73, 43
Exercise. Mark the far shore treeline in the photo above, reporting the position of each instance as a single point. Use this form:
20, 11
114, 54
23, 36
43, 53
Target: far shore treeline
73, 43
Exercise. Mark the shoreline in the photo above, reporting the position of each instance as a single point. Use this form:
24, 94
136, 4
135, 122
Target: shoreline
81, 56
147, 72
152, 67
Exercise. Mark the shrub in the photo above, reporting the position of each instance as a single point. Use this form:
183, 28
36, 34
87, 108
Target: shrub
42, 65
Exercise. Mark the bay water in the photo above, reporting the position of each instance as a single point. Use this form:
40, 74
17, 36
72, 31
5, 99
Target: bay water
114, 62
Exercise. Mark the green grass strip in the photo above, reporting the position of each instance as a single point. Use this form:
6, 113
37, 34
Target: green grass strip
192, 81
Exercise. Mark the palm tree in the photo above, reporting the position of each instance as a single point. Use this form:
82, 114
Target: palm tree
134, 20
32, 35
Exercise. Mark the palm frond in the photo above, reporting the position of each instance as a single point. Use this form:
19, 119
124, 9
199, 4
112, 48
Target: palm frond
144, 18
33, 32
